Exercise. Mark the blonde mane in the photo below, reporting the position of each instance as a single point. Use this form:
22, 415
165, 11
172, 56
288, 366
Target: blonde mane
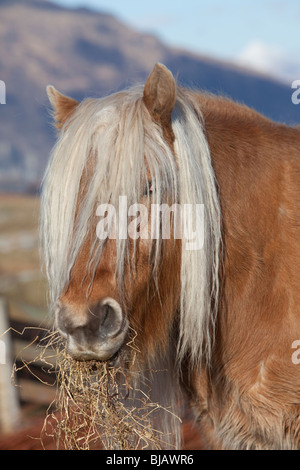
118, 136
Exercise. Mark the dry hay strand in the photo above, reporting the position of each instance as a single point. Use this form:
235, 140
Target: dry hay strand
97, 404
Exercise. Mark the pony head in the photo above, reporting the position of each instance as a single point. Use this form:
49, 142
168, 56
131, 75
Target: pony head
144, 146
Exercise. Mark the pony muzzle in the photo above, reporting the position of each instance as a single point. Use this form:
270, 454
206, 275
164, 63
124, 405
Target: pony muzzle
92, 333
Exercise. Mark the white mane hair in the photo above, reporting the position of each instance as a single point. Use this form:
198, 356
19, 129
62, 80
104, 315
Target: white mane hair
117, 138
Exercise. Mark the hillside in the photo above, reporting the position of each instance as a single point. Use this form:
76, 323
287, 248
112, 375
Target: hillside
84, 53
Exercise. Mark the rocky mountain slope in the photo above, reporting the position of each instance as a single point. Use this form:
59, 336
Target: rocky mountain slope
84, 53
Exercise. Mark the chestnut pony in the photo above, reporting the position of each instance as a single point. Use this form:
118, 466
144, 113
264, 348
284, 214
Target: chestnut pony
218, 323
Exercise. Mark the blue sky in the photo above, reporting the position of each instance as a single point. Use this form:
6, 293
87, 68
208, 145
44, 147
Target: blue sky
262, 34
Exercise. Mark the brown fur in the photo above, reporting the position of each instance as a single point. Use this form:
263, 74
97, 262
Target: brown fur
253, 397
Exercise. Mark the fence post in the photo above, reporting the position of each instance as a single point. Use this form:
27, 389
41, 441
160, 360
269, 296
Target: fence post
9, 403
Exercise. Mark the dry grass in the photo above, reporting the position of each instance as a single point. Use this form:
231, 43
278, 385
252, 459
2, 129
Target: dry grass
97, 404
21, 279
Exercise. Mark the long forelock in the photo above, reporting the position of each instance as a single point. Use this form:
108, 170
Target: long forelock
117, 136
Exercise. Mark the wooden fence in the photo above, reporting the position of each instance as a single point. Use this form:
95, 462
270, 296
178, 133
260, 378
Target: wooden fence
25, 381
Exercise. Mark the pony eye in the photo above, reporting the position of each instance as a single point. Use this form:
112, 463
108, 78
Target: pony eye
148, 189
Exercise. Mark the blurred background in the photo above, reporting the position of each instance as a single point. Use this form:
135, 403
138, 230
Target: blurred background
246, 50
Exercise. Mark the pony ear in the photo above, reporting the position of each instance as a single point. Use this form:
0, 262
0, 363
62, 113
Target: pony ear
160, 94
63, 106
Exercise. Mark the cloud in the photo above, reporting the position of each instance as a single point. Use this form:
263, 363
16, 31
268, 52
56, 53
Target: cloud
269, 59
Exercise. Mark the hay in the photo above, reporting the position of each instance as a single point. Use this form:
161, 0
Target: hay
98, 405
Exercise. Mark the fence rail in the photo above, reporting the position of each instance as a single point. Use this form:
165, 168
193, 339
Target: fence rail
9, 404
25, 380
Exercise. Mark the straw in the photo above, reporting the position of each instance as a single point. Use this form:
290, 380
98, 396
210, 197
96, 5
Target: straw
98, 404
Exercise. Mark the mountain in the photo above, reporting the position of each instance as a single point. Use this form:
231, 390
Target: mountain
85, 53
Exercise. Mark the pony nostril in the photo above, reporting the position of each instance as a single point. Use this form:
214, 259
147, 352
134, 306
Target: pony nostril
106, 315
104, 320
110, 320
97, 331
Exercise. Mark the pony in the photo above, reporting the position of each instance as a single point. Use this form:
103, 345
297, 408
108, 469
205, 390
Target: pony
218, 323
